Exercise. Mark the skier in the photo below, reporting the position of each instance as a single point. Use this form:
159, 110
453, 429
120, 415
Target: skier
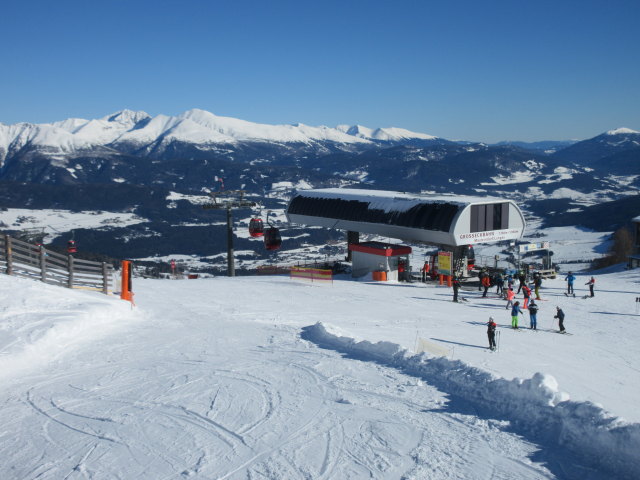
537, 283
456, 286
514, 315
425, 271
509, 281
570, 279
510, 296
499, 281
486, 283
491, 333
522, 278
526, 291
533, 312
560, 316
591, 283
481, 276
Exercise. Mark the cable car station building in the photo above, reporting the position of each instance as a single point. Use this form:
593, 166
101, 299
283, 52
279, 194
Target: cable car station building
446, 221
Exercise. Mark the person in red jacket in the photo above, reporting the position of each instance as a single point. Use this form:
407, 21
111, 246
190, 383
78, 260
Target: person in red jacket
510, 296
591, 283
486, 283
526, 291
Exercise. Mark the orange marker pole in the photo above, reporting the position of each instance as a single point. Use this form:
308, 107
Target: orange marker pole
125, 292
441, 279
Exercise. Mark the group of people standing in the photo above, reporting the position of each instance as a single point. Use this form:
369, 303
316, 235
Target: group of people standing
528, 290
506, 288
533, 310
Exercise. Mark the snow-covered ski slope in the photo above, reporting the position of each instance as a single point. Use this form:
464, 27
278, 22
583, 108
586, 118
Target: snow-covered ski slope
267, 377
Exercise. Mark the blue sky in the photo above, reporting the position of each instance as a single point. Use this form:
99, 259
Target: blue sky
471, 70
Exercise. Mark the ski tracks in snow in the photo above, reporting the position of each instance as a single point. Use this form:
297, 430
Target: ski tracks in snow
222, 396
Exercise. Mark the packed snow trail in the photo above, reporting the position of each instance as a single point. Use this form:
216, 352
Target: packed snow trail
211, 379
200, 389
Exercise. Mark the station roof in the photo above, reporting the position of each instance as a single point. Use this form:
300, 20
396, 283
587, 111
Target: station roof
436, 219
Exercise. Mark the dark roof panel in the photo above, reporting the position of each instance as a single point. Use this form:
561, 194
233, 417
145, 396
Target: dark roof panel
427, 216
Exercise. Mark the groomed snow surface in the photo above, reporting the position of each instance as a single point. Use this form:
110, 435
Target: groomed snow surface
267, 377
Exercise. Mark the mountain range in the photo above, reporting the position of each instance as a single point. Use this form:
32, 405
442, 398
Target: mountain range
131, 161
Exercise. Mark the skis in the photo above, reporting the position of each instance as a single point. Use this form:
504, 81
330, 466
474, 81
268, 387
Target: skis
567, 295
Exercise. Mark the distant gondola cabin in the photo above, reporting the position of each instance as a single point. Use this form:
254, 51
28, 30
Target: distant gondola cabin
272, 238
256, 227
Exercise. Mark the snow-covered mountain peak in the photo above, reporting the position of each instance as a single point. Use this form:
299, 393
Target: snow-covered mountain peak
127, 117
391, 134
621, 131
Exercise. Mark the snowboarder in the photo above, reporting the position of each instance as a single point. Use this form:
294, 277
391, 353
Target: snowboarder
456, 286
510, 296
514, 314
570, 278
491, 333
533, 312
526, 291
560, 316
486, 283
591, 283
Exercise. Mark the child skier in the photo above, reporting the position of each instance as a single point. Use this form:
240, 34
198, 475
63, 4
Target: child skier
491, 333
514, 315
526, 291
560, 316
510, 296
533, 312
591, 283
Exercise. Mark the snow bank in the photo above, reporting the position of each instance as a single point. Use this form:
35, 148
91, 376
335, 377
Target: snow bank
41, 323
535, 407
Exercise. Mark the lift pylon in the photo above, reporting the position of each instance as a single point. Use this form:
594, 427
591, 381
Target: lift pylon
229, 200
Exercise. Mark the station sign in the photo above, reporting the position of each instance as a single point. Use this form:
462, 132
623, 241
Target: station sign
532, 247
444, 263
490, 236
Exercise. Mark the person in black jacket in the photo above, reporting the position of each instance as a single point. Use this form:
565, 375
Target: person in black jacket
560, 317
456, 286
522, 278
491, 333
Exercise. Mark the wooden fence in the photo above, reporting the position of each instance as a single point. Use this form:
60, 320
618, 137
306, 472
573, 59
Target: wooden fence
32, 261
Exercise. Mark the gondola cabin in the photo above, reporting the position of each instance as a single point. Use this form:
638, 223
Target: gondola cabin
272, 238
256, 227
71, 246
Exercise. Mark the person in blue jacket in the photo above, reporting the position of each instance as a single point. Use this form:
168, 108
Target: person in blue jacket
570, 278
514, 314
